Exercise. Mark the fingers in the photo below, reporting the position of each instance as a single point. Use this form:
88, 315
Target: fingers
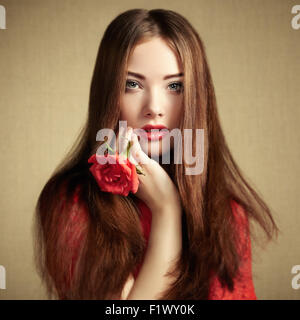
122, 140
137, 153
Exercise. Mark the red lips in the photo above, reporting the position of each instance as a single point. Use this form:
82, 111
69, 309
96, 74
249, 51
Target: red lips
148, 127
154, 135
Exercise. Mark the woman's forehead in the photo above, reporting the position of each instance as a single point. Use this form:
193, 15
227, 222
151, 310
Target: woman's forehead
153, 59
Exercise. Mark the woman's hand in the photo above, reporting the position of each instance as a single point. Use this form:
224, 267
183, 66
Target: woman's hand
160, 194
156, 188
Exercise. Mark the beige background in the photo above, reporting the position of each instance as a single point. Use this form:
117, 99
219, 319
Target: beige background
47, 55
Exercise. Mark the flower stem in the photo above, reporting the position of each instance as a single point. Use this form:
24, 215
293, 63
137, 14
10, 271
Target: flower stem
108, 146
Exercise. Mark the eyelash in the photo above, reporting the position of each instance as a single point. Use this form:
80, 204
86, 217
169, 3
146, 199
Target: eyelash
177, 83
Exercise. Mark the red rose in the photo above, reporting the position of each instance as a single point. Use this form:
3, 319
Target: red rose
117, 178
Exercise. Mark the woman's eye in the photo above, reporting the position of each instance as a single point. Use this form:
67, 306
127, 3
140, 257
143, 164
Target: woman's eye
130, 82
178, 86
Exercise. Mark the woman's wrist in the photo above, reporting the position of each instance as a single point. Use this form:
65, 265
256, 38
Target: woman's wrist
171, 204
168, 210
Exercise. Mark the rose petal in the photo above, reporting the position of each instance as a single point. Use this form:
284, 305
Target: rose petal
117, 178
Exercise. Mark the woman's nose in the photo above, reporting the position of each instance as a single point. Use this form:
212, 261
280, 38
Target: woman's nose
154, 112
153, 107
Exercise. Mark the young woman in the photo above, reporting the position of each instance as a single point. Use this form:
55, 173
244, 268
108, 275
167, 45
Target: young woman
179, 236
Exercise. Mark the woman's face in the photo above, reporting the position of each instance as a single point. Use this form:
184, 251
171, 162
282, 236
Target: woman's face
150, 97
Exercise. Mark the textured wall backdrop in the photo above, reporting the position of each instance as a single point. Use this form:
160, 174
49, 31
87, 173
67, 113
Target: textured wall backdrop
47, 55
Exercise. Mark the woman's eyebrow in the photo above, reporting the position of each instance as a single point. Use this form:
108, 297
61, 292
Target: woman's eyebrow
140, 76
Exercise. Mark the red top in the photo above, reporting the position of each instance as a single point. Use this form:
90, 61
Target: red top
243, 286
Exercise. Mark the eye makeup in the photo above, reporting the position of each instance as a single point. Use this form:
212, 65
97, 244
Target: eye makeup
178, 84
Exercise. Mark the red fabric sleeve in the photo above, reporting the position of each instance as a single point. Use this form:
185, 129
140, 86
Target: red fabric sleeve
243, 284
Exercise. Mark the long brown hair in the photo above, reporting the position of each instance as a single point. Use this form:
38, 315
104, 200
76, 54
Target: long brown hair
112, 242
